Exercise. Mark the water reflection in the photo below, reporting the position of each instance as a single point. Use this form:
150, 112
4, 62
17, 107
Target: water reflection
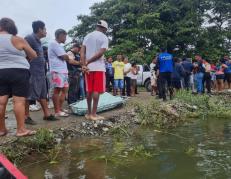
197, 150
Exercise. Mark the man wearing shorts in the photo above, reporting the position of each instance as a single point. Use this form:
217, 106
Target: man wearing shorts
59, 72
118, 67
38, 85
94, 46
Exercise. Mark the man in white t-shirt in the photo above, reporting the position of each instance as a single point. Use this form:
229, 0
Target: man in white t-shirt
94, 46
59, 73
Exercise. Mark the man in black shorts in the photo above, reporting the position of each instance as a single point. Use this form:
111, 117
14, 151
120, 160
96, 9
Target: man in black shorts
38, 85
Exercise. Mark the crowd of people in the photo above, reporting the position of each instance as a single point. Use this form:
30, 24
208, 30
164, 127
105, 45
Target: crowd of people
199, 75
31, 73
121, 76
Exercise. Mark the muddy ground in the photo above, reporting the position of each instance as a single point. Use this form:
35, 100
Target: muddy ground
71, 122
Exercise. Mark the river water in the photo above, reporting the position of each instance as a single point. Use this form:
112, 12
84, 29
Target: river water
197, 150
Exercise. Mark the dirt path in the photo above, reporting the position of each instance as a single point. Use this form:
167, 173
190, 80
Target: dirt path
68, 122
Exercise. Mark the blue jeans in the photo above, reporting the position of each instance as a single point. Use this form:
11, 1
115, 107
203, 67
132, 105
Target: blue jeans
81, 87
199, 82
118, 84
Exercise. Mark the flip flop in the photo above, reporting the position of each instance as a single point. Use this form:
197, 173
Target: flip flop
65, 110
61, 114
3, 134
27, 133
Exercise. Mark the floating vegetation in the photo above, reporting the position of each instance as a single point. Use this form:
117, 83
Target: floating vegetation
122, 155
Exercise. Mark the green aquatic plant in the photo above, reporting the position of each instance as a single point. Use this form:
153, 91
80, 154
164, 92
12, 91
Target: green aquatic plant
140, 151
119, 131
53, 154
122, 155
190, 150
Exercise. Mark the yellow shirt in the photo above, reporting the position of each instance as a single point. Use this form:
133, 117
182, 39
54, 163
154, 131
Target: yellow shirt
118, 70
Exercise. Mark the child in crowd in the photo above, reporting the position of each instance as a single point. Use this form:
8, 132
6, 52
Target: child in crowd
109, 74
118, 67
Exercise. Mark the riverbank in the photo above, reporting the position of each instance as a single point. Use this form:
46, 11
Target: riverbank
142, 110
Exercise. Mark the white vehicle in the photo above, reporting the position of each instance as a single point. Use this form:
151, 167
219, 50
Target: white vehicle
144, 77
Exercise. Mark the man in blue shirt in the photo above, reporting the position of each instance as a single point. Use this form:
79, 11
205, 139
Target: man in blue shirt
165, 69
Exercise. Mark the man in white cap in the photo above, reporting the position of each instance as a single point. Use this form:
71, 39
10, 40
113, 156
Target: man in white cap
94, 46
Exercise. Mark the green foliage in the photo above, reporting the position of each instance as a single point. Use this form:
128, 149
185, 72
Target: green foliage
120, 131
204, 105
158, 115
53, 154
138, 28
43, 141
185, 106
122, 155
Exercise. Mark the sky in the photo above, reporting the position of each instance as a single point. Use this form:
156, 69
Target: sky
55, 13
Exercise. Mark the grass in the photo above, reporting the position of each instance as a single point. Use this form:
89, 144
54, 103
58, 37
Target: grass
185, 106
217, 106
42, 142
157, 114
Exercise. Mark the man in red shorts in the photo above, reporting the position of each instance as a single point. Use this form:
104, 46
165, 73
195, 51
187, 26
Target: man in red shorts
94, 46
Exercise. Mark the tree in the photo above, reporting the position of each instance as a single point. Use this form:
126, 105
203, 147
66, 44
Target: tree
138, 28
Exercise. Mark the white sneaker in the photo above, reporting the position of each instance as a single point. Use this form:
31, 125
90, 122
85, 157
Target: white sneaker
34, 107
61, 114
50, 105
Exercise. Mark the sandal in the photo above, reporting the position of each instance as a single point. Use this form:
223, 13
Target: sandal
50, 118
27, 133
61, 114
65, 110
3, 133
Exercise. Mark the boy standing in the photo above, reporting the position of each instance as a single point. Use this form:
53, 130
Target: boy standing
118, 67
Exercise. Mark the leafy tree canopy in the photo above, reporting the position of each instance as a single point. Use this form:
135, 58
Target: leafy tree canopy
138, 28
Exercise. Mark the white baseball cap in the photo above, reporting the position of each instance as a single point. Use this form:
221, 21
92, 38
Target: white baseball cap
102, 23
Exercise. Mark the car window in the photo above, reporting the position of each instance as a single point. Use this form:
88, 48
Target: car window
146, 68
